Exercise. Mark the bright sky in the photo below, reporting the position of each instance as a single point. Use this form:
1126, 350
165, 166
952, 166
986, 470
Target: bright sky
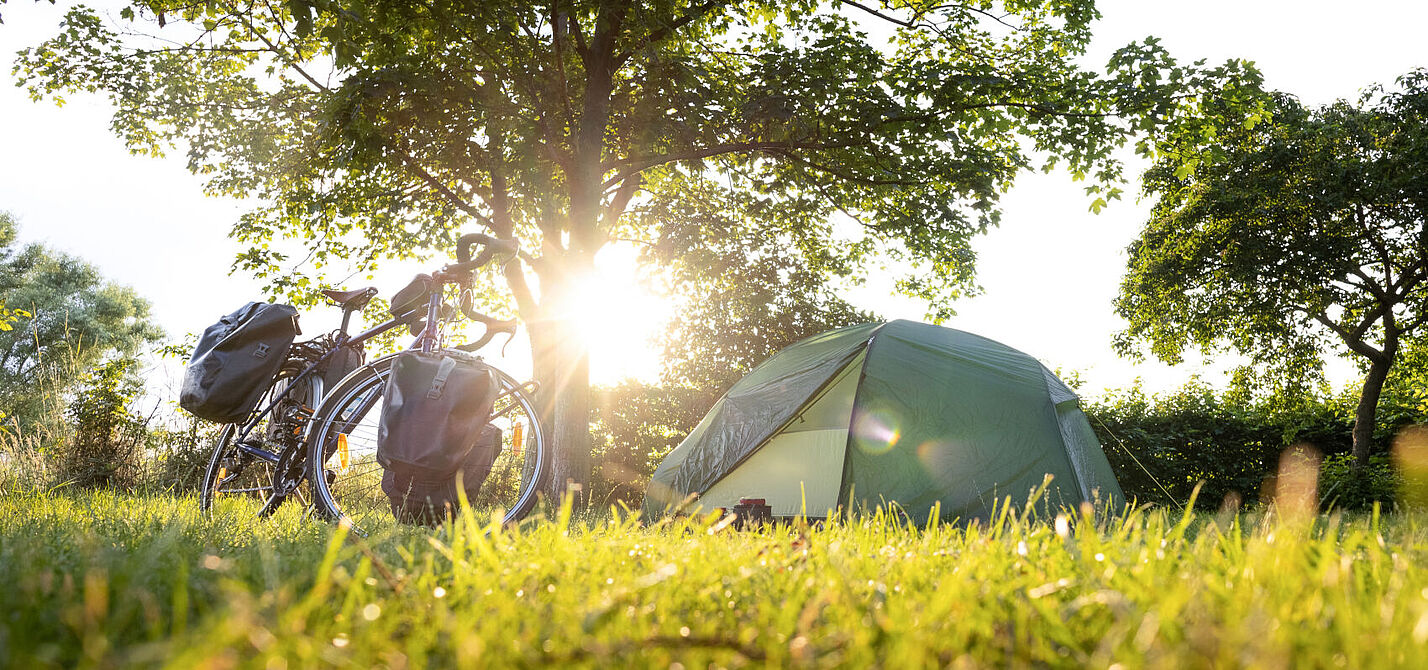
1049, 272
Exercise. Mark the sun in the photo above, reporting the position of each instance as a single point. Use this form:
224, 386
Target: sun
620, 318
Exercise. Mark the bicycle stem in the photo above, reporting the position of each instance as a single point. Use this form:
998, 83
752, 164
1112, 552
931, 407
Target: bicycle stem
433, 311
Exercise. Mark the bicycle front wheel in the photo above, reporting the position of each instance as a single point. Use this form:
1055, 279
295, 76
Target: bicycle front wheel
342, 451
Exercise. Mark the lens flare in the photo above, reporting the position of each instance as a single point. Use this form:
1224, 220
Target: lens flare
878, 432
1410, 454
932, 453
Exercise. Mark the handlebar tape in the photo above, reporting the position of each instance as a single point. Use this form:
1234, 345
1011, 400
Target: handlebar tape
492, 246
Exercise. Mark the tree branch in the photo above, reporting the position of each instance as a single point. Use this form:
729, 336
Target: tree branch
690, 16
1383, 256
916, 22
573, 27
521, 289
442, 189
1414, 324
559, 55
501, 223
264, 38
890, 19
844, 175
1410, 280
1370, 284
642, 163
1355, 343
617, 205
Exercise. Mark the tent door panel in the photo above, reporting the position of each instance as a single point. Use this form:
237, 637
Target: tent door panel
812, 458
1093, 471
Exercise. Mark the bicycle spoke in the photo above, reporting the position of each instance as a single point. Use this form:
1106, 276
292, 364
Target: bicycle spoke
355, 491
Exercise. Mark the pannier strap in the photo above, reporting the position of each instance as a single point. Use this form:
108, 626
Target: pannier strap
439, 381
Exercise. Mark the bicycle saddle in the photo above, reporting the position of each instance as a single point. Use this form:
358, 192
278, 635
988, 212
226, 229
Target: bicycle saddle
350, 300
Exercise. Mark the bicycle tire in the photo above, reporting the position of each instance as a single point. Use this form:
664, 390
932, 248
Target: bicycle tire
352, 408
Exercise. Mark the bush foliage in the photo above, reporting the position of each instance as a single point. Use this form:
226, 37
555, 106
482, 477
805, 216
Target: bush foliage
635, 426
103, 448
1162, 447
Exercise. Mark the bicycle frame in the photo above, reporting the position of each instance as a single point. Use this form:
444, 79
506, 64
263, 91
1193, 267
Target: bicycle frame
424, 340
428, 340
287, 453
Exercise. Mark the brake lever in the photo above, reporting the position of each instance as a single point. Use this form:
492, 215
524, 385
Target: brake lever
509, 336
508, 328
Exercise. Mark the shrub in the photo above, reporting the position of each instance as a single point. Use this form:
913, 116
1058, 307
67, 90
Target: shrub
104, 445
1342, 486
1161, 447
634, 427
175, 457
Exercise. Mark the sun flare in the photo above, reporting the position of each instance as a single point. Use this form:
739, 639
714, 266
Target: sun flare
620, 318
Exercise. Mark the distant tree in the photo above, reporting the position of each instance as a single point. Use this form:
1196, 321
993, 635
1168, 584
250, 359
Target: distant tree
75, 317
7, 237
743, 292
379, 129
1286, 238
635, 426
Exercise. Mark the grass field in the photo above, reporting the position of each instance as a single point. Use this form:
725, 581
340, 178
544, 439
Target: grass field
103, 580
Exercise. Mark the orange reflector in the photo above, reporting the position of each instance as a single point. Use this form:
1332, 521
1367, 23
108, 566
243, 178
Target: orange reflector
222, 473
343, 456
517, 437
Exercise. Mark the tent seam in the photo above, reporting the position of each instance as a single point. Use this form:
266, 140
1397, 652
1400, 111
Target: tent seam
1061, 432
843, 491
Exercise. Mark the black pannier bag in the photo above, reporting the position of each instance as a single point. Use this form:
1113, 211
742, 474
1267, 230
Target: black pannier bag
235, 361
342, 362
421, 501
433, 426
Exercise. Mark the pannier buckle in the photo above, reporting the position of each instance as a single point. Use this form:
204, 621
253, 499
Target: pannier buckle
438, 383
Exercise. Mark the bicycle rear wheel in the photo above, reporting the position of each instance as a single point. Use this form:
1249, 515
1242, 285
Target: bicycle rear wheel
346, 477
243, 474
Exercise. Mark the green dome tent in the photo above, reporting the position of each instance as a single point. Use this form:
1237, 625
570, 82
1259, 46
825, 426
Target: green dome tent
927, 417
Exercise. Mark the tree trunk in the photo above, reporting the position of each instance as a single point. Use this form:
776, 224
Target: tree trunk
562, 368
1367, 413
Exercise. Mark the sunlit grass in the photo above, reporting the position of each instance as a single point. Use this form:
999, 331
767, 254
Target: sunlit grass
104, 579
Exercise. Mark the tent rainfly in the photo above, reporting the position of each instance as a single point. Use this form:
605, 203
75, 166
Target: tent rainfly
936, 420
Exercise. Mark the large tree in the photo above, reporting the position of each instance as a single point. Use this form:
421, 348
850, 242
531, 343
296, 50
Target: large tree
71, 318
862, 130
1292, 237
741, 292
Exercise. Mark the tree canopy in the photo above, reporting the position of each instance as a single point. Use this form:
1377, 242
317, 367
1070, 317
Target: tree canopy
1288, 238
742, 296
861, 132
72, 316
